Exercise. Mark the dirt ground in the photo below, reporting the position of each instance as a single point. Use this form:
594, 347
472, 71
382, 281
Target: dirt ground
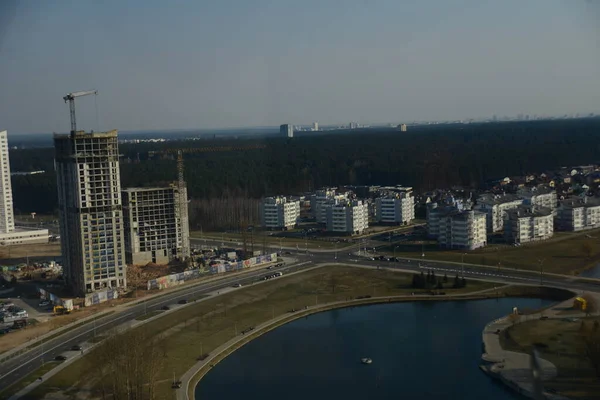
17, 254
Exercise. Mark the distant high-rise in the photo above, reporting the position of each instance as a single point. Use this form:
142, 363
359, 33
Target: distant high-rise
315, 126
90, 211
286, 130
353, 125
7, 222
402, 127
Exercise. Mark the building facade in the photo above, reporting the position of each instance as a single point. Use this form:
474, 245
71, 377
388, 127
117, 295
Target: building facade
7, 221
495, 207
90, 211
578, 214
322, 199
463, 230
279, 212
436, 211
539, 196
528, 223
396, 208
154, 227
286, 130
349, 217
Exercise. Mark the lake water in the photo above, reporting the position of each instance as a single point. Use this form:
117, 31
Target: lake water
427, 350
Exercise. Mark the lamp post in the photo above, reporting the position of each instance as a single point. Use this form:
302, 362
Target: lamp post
395, 247
542, 271
462, 264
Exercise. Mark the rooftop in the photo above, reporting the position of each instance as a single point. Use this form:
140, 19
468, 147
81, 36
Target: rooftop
529, 211
490, 198
580, 202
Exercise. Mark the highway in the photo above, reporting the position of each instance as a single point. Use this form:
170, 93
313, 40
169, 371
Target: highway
20, 366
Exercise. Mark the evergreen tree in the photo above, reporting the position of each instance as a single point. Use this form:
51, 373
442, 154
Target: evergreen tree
463, 282
456, 282
445, 280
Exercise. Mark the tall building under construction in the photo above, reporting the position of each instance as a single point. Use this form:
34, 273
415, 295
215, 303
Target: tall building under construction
90, 210
155, 227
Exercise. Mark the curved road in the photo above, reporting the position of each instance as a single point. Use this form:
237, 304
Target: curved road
22, 365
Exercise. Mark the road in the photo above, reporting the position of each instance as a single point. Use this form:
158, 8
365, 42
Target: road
22, 365
18, 367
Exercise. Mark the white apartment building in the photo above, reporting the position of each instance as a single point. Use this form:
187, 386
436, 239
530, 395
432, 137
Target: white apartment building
436, 211
395, 208
463, 230
528, 223
322, 199
539, 196
279, 212
7, 222
9, 234
495, 207
350, 217
578, 214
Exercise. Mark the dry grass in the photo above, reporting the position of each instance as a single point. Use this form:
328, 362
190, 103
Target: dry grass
562, 345
17, 254
202, 327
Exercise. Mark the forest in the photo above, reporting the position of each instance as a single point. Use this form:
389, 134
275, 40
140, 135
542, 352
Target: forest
424, 157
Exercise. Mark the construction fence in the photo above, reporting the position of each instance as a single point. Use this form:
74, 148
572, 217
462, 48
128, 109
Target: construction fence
178, 279
100, 297
57, 301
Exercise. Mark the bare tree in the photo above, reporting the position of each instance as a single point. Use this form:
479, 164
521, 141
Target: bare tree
591, 306
587, 249
590, 334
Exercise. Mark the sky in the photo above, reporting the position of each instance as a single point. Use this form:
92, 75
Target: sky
203, 64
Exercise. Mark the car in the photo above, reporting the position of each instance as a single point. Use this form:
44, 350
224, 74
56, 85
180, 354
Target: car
60, 358
44, 303
76, 348
271, 267
165, 308
237, 285
182, 301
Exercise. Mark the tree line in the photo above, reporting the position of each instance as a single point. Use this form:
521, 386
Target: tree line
425, 158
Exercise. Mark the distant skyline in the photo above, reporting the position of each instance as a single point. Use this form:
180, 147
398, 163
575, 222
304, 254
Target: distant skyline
236, 63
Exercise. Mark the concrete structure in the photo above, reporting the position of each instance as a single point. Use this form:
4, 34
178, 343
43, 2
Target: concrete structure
578, 214
7, 219
495, 206
435, 212
350, 217
90, 211
528, 223
154, 228
315, 126
539, 196
323, 198
9, 234
396, 207
462, 230
279, 212
353, 125
402, 127
286, 130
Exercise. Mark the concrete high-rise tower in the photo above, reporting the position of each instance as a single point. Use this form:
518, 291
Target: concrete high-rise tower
286, 130
7, 221
90, 210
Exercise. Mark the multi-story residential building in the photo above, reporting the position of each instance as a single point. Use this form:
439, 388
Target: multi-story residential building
90, 210
350, 216
462, 230
495, 206
528, 223
279, 212
287, 130
578, 214
435, 211
322, 199
397, 207
539, 196
154, 228
9, 234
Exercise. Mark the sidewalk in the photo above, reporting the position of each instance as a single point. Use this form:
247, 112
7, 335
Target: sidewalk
513, 368
230, 346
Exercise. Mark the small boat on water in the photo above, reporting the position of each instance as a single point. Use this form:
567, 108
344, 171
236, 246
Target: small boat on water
366, 360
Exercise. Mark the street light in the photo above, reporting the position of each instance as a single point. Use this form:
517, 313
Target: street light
542, 271
395, 247
462, 264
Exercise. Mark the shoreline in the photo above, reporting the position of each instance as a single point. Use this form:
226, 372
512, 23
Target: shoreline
194, 375
512, 368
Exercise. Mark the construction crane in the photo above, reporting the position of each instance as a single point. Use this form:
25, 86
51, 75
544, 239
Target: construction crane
70, 97
183, 208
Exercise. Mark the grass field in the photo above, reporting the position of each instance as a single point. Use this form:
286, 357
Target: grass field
561, 344
16, 254
202, 327
567, 254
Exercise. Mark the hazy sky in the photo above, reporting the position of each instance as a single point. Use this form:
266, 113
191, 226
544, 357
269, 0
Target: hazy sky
227, 63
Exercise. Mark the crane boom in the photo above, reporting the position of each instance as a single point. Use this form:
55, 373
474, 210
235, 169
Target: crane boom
70, 97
